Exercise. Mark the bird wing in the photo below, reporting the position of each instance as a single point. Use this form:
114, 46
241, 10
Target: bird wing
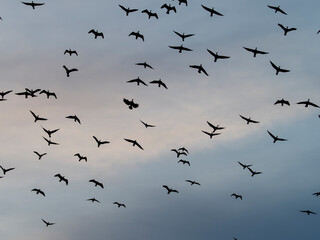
313, 104
96, 139
139, 145
123, 8
126, 101
217, 13
273, 65
206, 8
206, 133
261, 52
129, 140
283, 70
283, 28
164, 6
166, 187
179, 34
185, 49
271, 136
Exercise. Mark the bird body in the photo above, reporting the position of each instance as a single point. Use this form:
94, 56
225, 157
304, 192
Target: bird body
184, 162
286, 29
308, 103
96, 34
160, 83
138, 81
131, 104
146, 124
70, 52
5, 170
81, 157
69, 70
180, 48
307, 212
150, 13
211, 134
244, 166
38, 191
169, 8
144, 64
277, 9
33, 4
37, 118
170, 190
255, 51
137, 35
93, 200
47, 223
200, 69
127, 10
120, 204
50, 142
282, 102
134, 143
50, 132
62, 178
248, 120
253, 172
100, 142
211, 11
217, 56
183, 36
39, 154
48, 93
276, 138
278, 69
96, 183
193, 182
74, 117
179, 152
215, 128
2, 94
236, 196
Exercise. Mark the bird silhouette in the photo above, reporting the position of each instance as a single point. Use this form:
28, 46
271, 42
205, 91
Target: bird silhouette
48, 93
183, 1
127, 10
70, 52
2, 94
131, 104
276, 138
277, 9
33, 4
38, 191
211, 134
40, 155
150, 13
211, 11
93, 200
183, 36
255, 51
96, 183
37, 118
244, 166
134, 143
32, 91
307, 212
236, 196
316, 194
217, 56
5, 170
144, 64
180, 48
178, 152
183, 149
249, 120
193, 182
215, 128
50, 132
286, 29
138, 81
47, 223
184, 162
120, 204
308, 103
68, 71
99, 142
50, 142
160, 83
282, 102
170, 190
200, 69
74, 117
169, 8
146, 124
253, 172
137, 35
26, 94
81, 157
278, 69
62, 178
96, 34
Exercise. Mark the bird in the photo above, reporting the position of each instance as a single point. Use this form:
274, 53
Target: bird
253, 172
183, 36
211, 134
38, 191
255, 51
2, 94
193, 182
131, 104
144, 64
48, 93
127, 10
137, 35
99, 142
183, 149
308, 103
286, 29
211, 11
37, 118
244, 166
26, 94
81, 157
316, 194
150, 13
68, 71
93, 200
146, 124
183, 1
33, 4
32, 91
215, 128
169, 8
50, 132
160, 83
178, 152
278, 69
40, 155
170, 190
62, 178
184, 162
74, 117
138, 81
200, 69
134, 143
249, 120
276, 138
236, 196
120, 204
282, 102
307, 212
277, 9
50, 142
5, 170
217, 56
47, 223
70, 52
96, 34
180, 48
96, 183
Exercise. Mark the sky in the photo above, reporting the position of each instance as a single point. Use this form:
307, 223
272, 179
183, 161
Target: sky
32, 55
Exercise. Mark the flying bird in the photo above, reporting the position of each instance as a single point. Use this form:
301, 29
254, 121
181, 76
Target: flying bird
170, 190
74, 117
144, 64
68, 71
217, 56
253, 172
81, 157
134, 143
183, 1
193, 182
96, 183
50, 142
146, 124
200, 69
50, 132
138, 81
26, 94
276, 138
215, 128
62, 178
308, 103
211, 11
183, 36
2, 94
179, 152
47, 223
249, 120
70, 52
244, 166
93, 200
48, 93
277, 9
278, 69
127, 10
96, 34
40, 155
37, 118
38, 191
150, 13
211, 134
180, 48
137, 35
183, 149
316, 194
236, 196
255, 51
33, 4
184, 162
286, 29
131, 103
169, 8
160, 83
100, 142
282, 102
5, 170
307, 212
120, 204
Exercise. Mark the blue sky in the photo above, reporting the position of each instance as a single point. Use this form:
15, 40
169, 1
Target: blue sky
32, 46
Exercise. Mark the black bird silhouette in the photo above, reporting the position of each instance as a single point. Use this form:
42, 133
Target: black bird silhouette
169, 8
137, 35
215, 128
244, 166
32, 91
93, 200
184, 162
68, 71
248, 120
282, 101
96, 33
211, 134
47, 223
70, 52
316, 194
211, 11
74, 117
50, 132
255, 51
193, 182
99, 142
253, 172
160, 83
5, 170
144, 64
307, 212
183, 36
180, 48
128, 10
81, 157
183, 1
278, 69
236, 196
38, 191
96, 183
120, 204
62, 178
286, 29
200, 69
217, 56
50, 142
150, 13
131, 103
277, 9
134, 142
170, 190
276, 138
26, 94
183, 149
308, 103
146, 124
37, 118
33, 4
178, 152
2, 94
138, 81
39, 154
48, 93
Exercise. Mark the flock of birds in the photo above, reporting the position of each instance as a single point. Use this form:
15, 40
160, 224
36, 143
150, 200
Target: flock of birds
214, 130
